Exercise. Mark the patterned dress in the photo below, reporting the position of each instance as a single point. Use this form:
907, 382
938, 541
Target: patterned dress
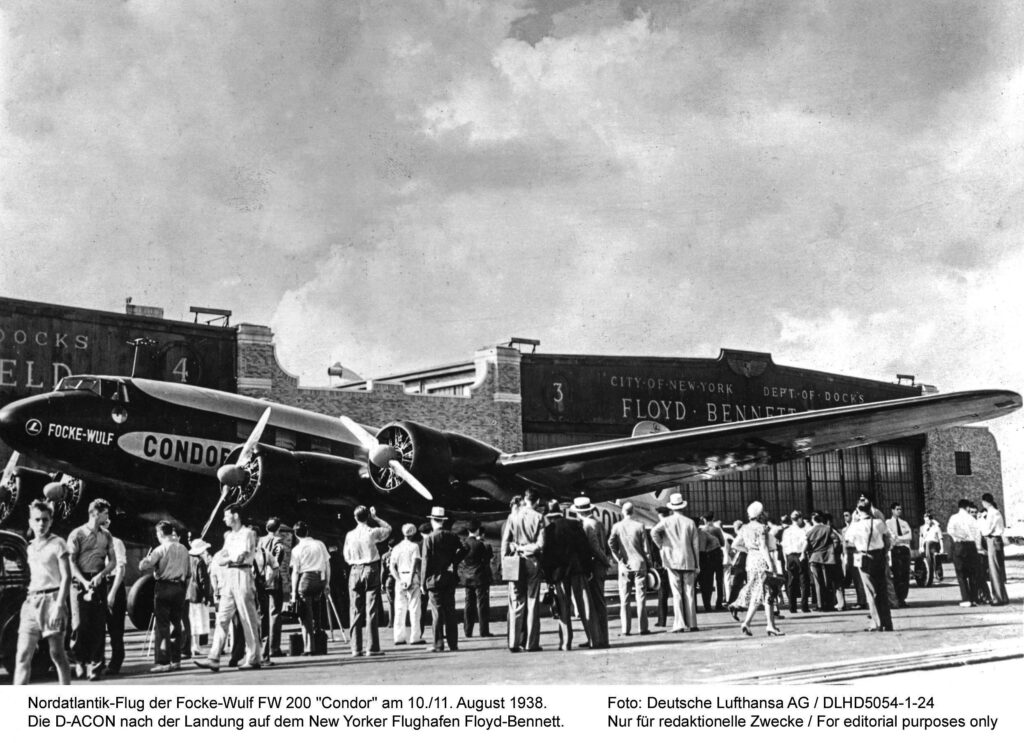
760, 545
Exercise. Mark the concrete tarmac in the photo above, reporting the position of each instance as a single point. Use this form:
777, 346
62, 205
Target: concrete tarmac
932, 633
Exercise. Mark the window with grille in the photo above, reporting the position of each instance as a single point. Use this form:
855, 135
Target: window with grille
962, 461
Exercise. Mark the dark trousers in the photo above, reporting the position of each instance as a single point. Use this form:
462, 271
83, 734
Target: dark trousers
88, 624
664, 594
798, 582
566, 590
115, 629
737, 575
981, 578
310, 592
997, 569
168, 599
874, 581
271, 606
823, 585
364, 597
901, 572
710, 577
478, 609
442, 607
965, 558
597, 608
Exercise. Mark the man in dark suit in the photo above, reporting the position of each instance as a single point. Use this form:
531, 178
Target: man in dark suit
475, 572
442, 552
565, 561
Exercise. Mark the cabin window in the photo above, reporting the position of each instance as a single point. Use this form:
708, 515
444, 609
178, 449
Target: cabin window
285, 440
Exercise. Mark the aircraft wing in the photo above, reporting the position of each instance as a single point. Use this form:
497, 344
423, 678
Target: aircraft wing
621, 467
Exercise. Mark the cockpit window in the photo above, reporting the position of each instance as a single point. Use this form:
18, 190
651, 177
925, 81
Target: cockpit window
109, 389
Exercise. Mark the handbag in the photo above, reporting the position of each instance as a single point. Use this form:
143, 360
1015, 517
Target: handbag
511, 567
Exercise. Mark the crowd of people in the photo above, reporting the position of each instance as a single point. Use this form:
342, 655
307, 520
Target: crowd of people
76, 595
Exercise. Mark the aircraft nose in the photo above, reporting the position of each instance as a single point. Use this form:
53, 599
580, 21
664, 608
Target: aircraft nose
16, 424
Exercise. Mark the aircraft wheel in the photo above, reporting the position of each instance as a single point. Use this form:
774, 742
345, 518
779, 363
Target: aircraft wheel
140, 602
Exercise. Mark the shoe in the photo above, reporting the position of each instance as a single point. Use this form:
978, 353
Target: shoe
735, 613
266, 661
694, 629
805, 611
249, 666
515, 650
160, 668
678, 631
776, 633
486, 634
436, 650
565, 648
372, 653
534, 650
645, 632
175, 666
584, 646
746, 630
356, 653
965, 604
232, 663
872, 629
419, 642
213, 665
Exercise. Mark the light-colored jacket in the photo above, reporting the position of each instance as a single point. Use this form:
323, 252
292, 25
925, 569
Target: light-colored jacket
678, 539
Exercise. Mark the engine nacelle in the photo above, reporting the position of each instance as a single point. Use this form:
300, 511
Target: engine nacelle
434, 457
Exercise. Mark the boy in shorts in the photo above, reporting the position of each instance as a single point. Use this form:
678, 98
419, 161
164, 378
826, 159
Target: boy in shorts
44, 614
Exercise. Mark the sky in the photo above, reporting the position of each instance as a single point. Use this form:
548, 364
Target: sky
394, 185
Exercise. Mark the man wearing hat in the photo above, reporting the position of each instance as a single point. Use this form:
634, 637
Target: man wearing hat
628, 542
407, 569
442, 551
521, 535
679, 541
565, 559
596, 609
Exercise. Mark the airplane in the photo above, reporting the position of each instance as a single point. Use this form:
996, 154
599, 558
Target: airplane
167, 443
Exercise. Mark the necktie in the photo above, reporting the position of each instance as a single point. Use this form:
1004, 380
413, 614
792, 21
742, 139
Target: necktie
899, 531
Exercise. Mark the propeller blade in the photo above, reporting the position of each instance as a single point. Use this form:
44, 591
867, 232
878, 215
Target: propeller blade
366, 439
254, 438
407, 476
209, 521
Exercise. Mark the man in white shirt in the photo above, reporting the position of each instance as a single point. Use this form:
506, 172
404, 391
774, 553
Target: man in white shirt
931, 546
870, 538
237, 593
311, 574
798, 576
900, 532
966, 537
407, 570
992, 528
361, 554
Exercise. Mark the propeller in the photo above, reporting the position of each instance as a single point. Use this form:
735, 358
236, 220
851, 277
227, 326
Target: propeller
384, 456
236, 475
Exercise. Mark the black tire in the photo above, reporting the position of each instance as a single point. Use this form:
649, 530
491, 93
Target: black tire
140, 602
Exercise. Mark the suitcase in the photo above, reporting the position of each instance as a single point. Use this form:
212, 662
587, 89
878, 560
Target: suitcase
319, 643
295, 644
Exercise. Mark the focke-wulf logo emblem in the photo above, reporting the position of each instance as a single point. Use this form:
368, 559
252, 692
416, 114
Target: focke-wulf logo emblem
33, 427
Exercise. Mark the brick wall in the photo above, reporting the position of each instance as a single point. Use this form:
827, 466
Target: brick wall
492, 413
942, 486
